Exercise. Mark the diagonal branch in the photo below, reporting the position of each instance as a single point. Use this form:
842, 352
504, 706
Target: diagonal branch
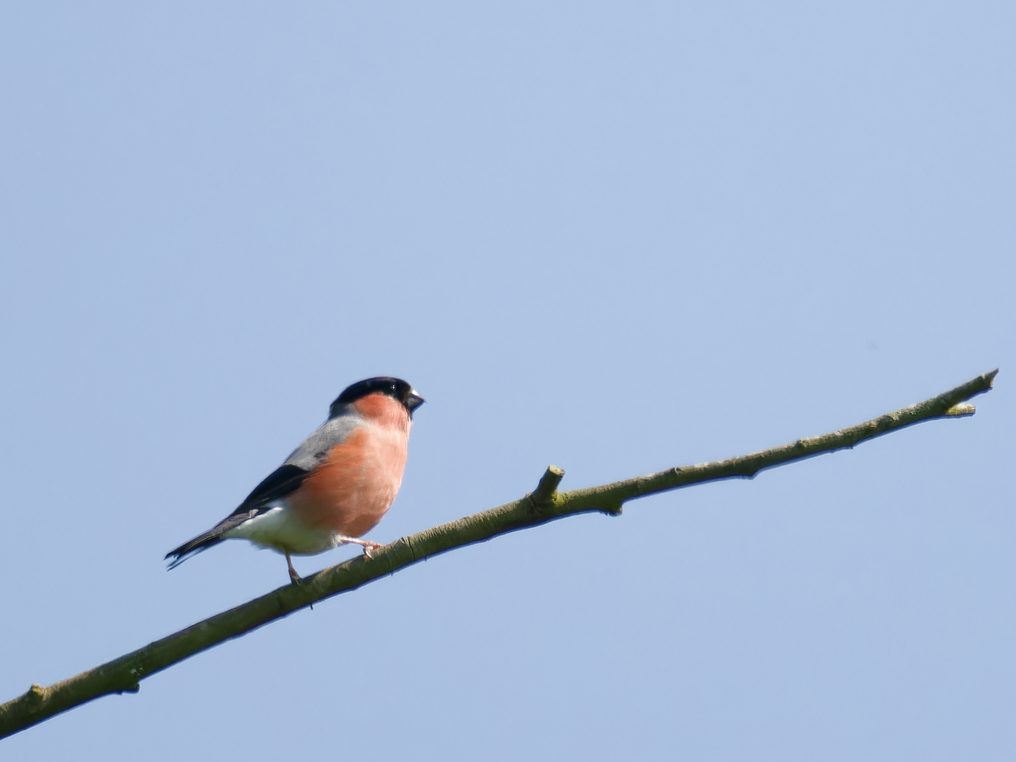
544, 504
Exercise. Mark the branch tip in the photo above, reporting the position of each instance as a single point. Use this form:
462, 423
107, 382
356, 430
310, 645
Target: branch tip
961, 410
546, 489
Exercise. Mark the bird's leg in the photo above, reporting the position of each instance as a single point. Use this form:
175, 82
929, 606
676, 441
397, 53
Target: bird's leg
293, 576
368, 546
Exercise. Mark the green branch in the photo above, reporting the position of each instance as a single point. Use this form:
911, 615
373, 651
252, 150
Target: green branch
544, 504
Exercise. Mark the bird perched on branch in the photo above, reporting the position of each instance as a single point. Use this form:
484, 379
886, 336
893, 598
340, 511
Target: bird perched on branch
335, 487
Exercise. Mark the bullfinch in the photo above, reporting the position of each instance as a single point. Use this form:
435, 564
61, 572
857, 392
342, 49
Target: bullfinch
335, 487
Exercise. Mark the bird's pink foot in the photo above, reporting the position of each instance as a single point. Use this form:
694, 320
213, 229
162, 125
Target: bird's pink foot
367, 545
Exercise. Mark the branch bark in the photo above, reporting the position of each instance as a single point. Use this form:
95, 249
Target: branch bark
545, 503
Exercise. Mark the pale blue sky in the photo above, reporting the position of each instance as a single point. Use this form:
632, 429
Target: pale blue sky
615, 237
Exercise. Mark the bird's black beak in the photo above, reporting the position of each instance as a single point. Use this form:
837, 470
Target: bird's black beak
412, 401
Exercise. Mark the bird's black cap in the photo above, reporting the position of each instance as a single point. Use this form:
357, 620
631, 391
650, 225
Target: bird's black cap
393, 387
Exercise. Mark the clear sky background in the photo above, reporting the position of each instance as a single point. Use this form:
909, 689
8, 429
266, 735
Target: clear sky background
615, 237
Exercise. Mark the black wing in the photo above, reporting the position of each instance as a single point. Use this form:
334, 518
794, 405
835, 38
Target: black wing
279, 483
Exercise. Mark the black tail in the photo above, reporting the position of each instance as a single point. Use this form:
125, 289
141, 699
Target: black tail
188, 549
212, 537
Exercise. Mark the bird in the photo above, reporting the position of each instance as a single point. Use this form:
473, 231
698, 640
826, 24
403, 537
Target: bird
335, 487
